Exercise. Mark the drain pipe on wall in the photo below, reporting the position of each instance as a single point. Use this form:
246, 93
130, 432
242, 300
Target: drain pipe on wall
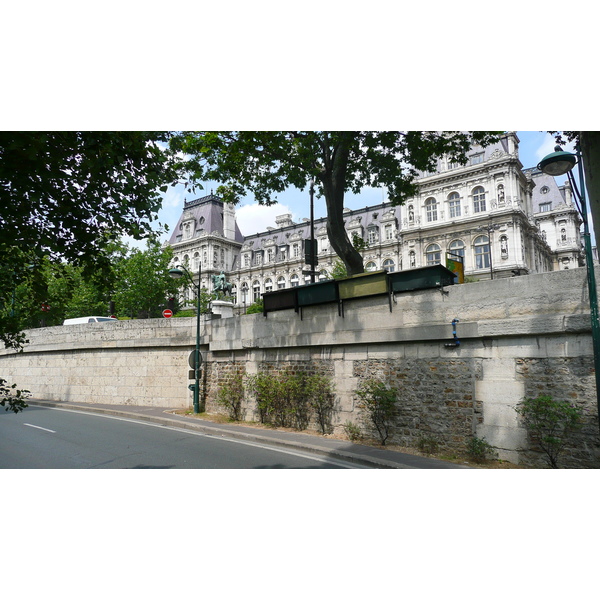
456, 342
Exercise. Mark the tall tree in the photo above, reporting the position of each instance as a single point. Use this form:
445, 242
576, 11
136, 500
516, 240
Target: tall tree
67, 196
266, 163
143, 283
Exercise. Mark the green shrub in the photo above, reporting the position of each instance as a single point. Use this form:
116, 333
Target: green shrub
352, 431
378, 400
479, 450
320, 392
550, 423
231, 395
428, 444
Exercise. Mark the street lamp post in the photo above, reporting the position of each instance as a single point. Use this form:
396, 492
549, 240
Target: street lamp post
561, 163
177, 273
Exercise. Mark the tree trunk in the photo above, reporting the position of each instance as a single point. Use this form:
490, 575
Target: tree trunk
590, 151
334, 180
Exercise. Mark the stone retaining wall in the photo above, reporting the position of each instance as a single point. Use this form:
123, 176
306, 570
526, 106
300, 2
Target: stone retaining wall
519, 337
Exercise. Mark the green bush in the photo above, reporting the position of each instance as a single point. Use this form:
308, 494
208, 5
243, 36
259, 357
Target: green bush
427, 444
231, 395
550, 423
479, 450
320, 392
378, 400
352, 431
290, 399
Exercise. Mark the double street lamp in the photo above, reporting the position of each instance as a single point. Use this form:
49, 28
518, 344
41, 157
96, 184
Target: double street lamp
177, 273
561, 163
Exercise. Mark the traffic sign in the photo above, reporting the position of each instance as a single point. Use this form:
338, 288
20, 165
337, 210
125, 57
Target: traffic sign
192, 359
167, 313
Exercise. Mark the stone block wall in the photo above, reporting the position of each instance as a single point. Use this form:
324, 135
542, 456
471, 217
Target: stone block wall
518, 337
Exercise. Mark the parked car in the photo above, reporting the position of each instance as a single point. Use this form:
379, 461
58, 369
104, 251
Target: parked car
80, 320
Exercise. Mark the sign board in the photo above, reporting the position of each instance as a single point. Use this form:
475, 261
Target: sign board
192, 359
167, 313
454, 263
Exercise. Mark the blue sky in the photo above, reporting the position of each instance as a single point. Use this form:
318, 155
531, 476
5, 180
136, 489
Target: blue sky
252, 218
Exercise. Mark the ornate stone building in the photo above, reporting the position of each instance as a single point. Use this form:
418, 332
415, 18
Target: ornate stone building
502, 219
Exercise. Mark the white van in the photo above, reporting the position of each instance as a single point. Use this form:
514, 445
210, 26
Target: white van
80, 320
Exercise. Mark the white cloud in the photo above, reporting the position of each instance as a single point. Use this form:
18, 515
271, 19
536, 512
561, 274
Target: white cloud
254, 218
547, 147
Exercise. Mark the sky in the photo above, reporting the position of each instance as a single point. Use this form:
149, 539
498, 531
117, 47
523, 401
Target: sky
253, 218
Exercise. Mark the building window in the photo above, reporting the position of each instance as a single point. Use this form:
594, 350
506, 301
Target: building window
244, 292
296, 250
478, 199
457, 247
433, 254
196, 263
246, 260
234, 293
258, 259
370, 266
431, 208
268, 285
389, 265
294, 281
324, 244
454, 205
477, 159
256, 291
545, 206
270, 255
389, 232
545, 190
482, 252
281, 283
372, 235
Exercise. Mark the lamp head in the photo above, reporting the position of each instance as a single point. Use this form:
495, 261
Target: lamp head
557, 163
176, 273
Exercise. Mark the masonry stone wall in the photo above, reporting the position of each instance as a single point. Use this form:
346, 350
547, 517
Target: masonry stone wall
518, 337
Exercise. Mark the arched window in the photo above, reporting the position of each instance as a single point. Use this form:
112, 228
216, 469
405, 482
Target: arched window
481, 246
457, 247
433, 254
196, 263
268, 285
454, 205
294, 280
280, 283
478, 199
256, 291
389, 265
370, 266
431, 208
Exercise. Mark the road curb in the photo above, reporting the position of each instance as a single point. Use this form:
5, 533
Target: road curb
252, 436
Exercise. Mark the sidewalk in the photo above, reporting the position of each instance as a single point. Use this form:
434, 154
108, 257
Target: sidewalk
369, 456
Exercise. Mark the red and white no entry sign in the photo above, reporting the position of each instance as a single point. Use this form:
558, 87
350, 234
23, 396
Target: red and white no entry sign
167, 313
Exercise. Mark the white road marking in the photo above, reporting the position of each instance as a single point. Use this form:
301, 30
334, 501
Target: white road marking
38, 427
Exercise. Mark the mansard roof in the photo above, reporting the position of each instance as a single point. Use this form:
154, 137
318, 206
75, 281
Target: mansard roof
546, 190
207, 215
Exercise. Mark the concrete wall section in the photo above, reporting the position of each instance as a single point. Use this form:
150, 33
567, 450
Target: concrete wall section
519, 337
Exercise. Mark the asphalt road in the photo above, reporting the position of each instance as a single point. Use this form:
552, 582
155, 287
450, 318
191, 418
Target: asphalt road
51, 438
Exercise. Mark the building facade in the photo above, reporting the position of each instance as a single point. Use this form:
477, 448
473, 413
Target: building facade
501, 219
